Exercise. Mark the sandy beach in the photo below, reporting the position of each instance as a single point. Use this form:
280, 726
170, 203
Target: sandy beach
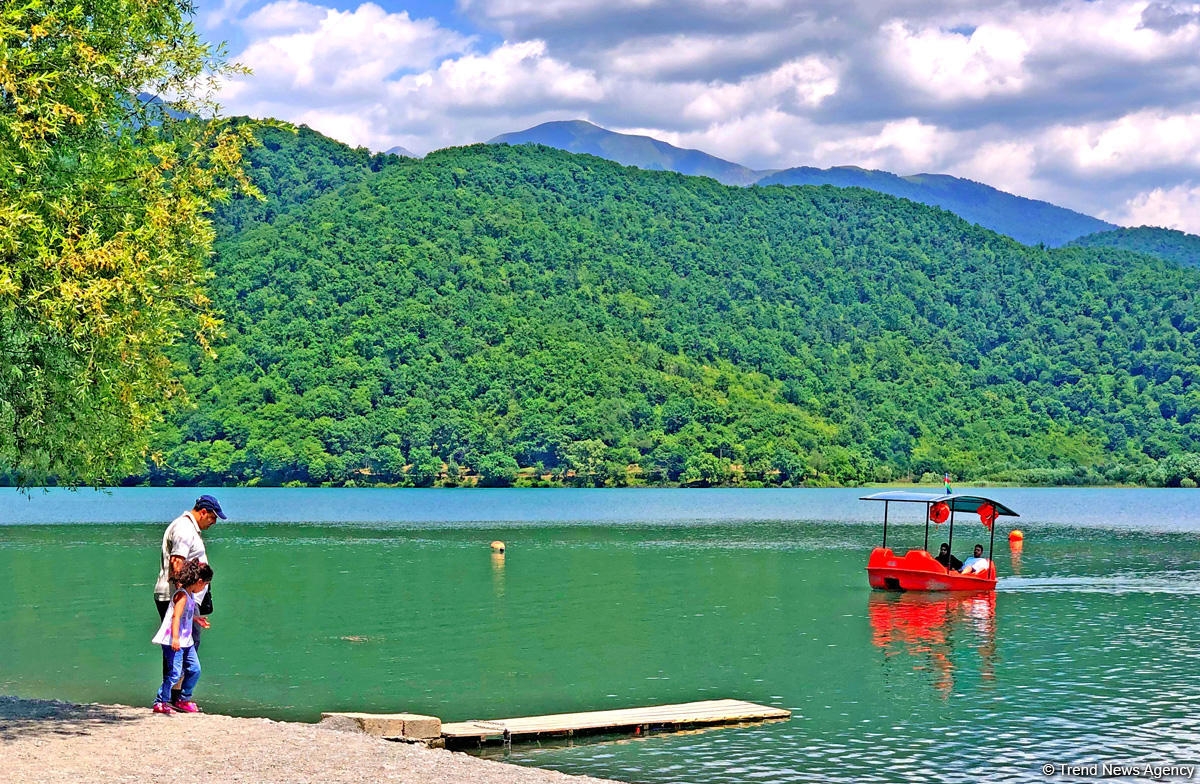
43, 741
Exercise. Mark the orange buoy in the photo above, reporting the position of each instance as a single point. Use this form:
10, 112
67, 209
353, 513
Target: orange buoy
939, 512
1016, 535
497, 546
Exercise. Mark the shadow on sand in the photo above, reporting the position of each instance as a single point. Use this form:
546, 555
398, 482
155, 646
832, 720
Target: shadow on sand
21, 718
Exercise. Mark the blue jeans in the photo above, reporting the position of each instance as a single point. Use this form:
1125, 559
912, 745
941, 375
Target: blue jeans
185, 662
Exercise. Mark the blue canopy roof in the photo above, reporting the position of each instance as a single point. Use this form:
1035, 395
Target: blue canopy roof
958, 502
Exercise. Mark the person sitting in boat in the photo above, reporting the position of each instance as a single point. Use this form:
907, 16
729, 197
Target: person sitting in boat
947, 560
976, 564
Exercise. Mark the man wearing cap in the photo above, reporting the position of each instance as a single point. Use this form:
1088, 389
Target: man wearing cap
182, 543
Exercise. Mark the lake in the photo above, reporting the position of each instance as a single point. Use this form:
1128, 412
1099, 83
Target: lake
391, 600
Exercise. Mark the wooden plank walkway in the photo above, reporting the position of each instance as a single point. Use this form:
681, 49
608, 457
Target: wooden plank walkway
658, 717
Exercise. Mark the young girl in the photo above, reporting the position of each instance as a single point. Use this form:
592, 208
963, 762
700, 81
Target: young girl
175, 637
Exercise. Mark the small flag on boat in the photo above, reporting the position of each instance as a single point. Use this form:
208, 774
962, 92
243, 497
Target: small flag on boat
946, 479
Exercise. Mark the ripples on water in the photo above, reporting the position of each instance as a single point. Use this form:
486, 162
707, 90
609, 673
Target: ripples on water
1087, 652
1054, 668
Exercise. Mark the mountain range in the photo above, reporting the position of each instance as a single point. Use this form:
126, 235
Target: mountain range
499, 311
1027, 220
643, 152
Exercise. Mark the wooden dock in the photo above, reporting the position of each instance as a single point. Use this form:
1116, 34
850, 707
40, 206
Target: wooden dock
658, 717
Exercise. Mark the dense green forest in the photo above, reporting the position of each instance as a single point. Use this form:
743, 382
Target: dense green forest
500, 314
1027, 220
1167, 244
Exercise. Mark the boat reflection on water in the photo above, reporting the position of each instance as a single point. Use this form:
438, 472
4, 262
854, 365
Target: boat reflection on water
1014, 553
931, 628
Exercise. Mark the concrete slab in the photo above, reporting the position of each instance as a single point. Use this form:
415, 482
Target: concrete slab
411, 726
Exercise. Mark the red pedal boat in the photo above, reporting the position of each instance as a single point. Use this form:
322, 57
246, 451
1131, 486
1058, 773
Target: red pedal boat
917, 570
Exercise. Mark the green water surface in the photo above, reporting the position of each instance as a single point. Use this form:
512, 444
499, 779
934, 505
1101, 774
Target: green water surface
1087, 652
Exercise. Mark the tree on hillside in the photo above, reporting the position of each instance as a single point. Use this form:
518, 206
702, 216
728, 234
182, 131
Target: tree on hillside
107, 176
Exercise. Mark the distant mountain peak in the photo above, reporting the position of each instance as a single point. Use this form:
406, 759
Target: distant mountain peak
644, 152
1027, 220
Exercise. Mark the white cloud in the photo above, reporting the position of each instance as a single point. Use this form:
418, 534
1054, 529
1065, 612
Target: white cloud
1088, 34
536, 11
1094, 105
285, 15
902, 146
341, 79
754, 139
794, 86
1172, 208
544, 9
1149, 139
949, 66
1006, 164
339, 52
678, 54
510, 76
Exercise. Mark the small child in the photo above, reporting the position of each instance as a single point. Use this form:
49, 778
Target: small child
175, 637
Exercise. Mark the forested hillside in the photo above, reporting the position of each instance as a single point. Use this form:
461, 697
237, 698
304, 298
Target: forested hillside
492, 308
1025, 220
643, 152
1167, 244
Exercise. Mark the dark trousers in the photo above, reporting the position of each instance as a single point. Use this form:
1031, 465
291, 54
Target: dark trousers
163, 605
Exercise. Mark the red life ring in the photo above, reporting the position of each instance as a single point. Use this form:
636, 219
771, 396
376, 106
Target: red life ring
987, 515
939, 512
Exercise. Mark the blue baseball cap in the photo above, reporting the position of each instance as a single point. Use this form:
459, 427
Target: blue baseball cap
211, 504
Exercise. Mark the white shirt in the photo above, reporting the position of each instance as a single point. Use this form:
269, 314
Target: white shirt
181, 538
185, 624
973, 564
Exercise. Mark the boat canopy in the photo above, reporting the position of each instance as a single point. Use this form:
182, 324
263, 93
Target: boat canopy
958, 502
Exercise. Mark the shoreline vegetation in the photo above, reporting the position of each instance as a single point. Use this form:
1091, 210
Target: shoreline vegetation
559, 483
49, 741
530, 479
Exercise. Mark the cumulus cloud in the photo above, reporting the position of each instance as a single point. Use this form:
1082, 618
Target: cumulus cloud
1166, 18
905, 145
1138, 141
286, 15
341, 51
682, 57
1173, 208
1092, 104
796, 84
332, 67
518, 15
512, 76
1007, 164
950, 66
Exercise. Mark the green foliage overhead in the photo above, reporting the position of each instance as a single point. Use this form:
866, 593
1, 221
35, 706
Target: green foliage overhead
103, 227
519, 314
1169, 244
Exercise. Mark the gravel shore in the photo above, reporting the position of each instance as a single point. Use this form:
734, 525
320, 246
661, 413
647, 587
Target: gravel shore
43, 742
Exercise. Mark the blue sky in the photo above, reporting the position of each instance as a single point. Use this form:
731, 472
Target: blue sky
1094, 105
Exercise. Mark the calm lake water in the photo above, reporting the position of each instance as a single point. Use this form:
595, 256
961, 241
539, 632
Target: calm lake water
390, 600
